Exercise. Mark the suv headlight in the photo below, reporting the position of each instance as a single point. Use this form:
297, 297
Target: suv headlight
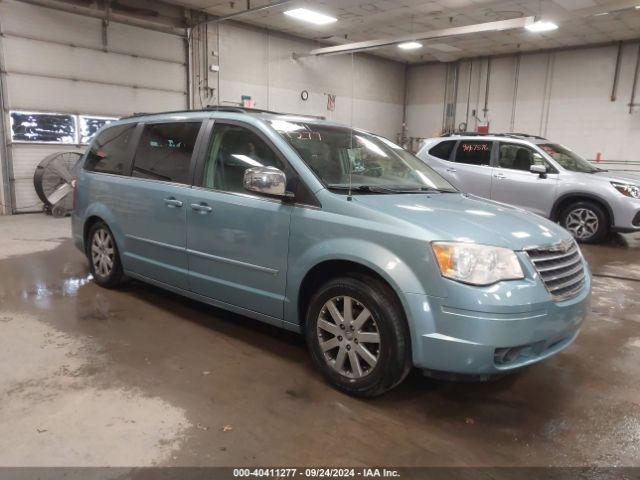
476, 264
627, 189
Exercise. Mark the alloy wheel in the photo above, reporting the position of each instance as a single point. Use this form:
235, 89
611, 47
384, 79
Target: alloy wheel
348, 336
582, 223
102, 252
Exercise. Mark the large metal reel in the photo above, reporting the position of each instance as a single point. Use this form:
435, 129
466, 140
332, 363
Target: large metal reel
53, 177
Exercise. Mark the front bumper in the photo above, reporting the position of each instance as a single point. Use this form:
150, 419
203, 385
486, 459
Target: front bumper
626, 215
493, 329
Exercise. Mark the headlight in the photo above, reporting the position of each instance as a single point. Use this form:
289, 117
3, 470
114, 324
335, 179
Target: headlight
476, 264
627, 189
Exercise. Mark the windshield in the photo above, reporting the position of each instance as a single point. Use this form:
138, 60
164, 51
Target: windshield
340, 156
568, 159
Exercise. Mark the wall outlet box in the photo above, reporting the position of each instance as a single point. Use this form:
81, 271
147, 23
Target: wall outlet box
215, 68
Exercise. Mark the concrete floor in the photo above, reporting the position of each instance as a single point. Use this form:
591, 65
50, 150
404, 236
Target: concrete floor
142, 377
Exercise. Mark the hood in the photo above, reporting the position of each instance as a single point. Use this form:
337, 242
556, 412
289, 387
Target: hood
463, 217
619, 176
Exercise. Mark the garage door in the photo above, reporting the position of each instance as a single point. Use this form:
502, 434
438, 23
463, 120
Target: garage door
54, 69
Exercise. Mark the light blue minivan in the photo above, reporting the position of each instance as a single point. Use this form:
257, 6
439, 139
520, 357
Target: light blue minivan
332, 232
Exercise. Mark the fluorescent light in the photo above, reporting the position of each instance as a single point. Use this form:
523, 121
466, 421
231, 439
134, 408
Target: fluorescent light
310, 16
409, 45
541, 26
600, 14
637, 7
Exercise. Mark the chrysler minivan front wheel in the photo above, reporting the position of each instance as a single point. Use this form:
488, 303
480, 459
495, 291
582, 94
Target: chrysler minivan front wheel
103, 255
357, 336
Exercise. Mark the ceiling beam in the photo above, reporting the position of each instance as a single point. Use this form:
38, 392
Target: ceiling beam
446, 32
249, 11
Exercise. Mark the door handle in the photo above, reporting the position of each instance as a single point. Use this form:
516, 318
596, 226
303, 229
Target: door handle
451, 170
201, 208
500, 176
172, 202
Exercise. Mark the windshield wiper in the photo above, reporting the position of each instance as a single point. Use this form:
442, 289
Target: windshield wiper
389, 190
437, 190
361, 188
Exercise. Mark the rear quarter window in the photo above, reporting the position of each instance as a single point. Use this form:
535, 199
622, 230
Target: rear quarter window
109, 151
474, 152
164, 151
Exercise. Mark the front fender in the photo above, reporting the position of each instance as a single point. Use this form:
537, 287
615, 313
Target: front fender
377, 258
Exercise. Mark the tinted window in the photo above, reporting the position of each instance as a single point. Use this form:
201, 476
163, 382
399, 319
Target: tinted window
474, 152
233, 149
518, 157
108, 153
164, 151
443, 149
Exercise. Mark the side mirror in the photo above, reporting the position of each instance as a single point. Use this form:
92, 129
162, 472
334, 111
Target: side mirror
265, 181
539, 169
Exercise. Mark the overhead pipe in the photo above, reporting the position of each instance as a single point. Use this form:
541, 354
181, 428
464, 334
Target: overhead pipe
466, 120
515, 92
497, 26
486, 88
616, 73
632, 103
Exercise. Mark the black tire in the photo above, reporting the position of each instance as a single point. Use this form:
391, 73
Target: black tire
387, 320
115, 275
592, 208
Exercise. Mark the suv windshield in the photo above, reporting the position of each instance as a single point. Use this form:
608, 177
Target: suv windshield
341, 156
568, 159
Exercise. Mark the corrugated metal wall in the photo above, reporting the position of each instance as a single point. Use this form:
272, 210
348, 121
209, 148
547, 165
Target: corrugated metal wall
51, 67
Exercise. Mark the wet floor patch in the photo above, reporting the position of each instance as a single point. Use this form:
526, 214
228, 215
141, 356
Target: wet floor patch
53, 403
43, 233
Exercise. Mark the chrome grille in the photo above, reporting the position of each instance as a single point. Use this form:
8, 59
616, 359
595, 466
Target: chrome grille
560, 267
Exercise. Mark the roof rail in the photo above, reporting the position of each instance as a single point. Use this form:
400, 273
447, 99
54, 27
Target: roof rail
222, 108
478, 134
528, 135
470, 134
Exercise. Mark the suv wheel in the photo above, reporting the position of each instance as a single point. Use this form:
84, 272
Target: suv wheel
587, 222
357, 336
104, 259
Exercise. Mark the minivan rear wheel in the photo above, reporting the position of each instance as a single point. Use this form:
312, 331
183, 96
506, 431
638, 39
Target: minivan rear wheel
103, 255
586, 221
357, 336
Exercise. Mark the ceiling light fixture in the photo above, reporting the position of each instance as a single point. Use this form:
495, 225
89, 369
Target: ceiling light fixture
409, 45
541, 26
310, 16
600, 14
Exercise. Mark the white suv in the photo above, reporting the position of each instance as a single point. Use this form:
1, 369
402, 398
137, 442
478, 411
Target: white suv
541, 176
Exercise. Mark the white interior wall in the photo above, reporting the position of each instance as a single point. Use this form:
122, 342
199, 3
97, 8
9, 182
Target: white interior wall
3, 202
425, 99
563, 95
258, 63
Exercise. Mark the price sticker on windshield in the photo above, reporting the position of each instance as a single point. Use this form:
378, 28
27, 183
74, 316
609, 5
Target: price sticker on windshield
475, 147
